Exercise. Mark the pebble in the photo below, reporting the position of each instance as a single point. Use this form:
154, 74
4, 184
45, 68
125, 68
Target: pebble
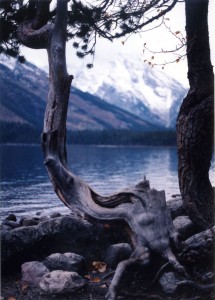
169, 282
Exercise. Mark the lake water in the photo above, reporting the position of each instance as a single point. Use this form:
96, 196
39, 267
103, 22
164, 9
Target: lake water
25, 186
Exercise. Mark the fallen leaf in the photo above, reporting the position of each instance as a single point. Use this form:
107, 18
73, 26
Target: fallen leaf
11, 298
24, 287
96, 279
88, 277
107, 226
100, 266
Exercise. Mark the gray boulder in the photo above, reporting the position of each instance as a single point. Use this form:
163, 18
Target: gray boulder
55, 215
66, 262
61, 282
200, 247
32, 272
169, 282
184, 226
57, 235
176, 207
11, 217
5, 228
11, 224
117, 253
29, 221
44, 218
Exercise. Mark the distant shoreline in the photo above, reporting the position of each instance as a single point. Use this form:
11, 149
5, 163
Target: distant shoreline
91, 145
90, 137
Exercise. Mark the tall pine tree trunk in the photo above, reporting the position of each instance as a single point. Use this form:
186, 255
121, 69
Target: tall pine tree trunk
195, 123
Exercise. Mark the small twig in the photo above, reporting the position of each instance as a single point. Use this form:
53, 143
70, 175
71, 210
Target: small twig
159, 273
108, 275
197, 286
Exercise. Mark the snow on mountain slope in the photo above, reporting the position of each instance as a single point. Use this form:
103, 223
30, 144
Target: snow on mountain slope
24, 89
123, 79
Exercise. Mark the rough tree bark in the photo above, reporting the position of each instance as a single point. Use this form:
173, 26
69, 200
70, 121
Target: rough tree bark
195, 123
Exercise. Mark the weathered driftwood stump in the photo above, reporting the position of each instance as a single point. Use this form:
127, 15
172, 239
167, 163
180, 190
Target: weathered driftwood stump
142, 209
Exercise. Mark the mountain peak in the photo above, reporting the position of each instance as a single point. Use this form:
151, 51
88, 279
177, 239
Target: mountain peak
126, 81
24, 90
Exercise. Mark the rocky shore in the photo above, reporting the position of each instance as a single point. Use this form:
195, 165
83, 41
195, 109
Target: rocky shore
66, 257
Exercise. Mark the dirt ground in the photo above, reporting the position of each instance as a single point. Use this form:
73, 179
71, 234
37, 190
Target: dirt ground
13, 289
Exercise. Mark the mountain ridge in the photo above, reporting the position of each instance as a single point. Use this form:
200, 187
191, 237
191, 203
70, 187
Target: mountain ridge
24, 89
126, 81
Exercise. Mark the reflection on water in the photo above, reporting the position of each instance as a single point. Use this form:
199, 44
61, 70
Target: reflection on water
25, 186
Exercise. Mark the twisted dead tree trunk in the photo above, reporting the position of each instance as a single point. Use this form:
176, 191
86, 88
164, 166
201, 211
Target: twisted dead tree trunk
143, 209
195, 123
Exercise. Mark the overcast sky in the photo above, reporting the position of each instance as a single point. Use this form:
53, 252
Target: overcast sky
155, 40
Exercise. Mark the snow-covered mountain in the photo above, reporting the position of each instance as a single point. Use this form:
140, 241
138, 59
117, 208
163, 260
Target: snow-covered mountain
23, 95
123, 79
126, 81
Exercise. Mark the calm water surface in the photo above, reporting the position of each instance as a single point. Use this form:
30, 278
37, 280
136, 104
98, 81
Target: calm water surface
25, 186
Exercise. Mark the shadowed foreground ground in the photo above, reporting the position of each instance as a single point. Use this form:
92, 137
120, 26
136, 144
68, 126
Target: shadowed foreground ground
34, 238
